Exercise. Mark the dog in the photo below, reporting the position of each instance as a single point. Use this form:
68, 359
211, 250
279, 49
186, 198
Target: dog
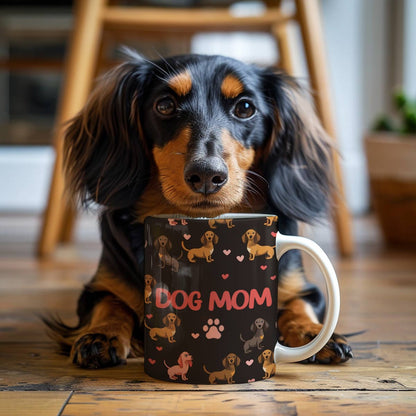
230, 362
270, 220
269, 367
199, 136
251, 238
205, 252
257, 327
213, 221
149, 283
184, 363
171, 322
163, 245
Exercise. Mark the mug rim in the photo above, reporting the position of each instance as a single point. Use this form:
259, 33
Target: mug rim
237, 215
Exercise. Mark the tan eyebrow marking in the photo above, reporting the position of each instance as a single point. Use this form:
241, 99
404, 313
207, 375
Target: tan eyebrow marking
181, 83
231, 86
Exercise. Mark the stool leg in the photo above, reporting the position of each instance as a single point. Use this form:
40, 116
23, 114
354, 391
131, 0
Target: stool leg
79, 73
313, 41
280, 33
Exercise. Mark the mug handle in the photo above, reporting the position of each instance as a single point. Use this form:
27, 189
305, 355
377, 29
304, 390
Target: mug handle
285, 243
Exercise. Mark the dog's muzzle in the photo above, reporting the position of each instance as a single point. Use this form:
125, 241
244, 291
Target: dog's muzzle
206, 176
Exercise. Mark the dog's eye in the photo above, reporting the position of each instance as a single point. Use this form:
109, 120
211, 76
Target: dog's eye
244, 109
166, 106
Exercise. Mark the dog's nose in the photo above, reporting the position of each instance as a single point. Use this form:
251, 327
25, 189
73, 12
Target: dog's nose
206, 176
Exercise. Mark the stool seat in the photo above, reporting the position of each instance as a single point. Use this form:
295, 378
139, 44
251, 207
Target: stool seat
189, 20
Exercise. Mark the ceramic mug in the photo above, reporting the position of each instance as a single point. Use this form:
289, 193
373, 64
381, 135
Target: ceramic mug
211, 298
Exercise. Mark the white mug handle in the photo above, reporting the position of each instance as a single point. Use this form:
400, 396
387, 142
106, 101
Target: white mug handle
285, 243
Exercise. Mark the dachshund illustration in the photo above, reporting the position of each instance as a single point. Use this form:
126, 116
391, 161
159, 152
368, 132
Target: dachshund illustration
208, 239
171, 322
251, 238
228, 221
184, 363
149, 283
230, 362
270, 220
269, 367
163, 245
257, 327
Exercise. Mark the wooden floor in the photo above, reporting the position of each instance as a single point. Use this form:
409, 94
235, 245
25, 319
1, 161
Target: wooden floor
378, 288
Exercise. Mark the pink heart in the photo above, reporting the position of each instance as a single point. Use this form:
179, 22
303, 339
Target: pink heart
187, 236
264, 267
274, 234
151, 361
227, 252
273, 277
225, 276
251, 380
250, 362
172, 221
240, 258
195, 336
159, 348
149, 316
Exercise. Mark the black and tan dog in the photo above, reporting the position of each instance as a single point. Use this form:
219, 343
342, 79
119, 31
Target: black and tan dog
200, 136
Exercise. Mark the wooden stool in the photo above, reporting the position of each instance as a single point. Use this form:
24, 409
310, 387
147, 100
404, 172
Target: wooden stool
93, 17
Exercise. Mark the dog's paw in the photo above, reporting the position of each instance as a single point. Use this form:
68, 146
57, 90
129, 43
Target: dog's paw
95, 350
335, 351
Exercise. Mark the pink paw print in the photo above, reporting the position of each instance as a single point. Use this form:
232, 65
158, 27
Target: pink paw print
213, 329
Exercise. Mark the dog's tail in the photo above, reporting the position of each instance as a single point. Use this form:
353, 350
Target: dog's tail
64, 335
164, 362
242, 339
183, 246
205, 369
147, 326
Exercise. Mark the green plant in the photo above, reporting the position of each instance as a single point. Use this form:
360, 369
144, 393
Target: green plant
405, 120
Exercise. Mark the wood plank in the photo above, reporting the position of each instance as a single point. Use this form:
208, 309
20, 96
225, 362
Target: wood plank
243, 403
377, 367
34, 403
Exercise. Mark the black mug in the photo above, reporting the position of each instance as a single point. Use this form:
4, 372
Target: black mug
211, 298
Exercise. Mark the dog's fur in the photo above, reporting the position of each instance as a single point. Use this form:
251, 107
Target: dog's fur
201, 136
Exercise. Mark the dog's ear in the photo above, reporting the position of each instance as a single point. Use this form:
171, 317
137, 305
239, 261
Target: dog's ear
203, 239
180, 361
215, 239
178, 321
169, 245
238, 361
298, 157
253, 327
261, 358
266, 325
165, 321
225, 362
156, 244
257, 237
105, 153
244, 238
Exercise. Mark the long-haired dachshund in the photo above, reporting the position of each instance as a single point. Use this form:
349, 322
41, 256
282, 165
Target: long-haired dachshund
201, 136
